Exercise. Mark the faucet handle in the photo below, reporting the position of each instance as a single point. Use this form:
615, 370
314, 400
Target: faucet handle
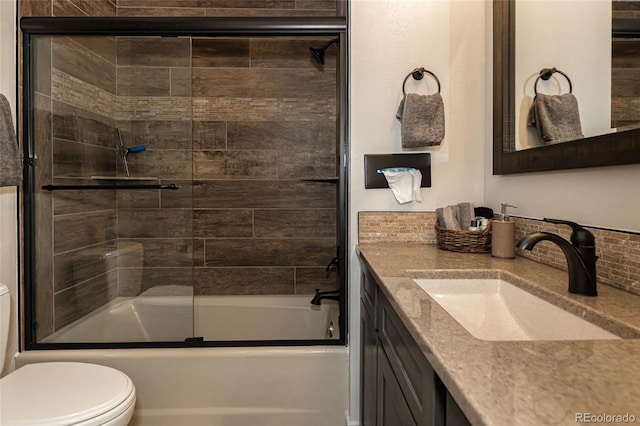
580, 237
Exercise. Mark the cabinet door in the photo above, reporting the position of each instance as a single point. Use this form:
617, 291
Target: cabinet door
454, 415
368, 368
392, 407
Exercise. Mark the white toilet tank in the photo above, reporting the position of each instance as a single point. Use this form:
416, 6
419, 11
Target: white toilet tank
5, 305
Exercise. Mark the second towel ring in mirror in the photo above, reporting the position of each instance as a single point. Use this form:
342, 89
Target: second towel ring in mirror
418, 74
546, 73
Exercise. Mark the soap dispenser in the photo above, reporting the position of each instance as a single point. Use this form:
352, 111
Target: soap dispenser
503, 235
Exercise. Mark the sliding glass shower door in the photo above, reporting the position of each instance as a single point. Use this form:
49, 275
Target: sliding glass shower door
112, 182
184, 190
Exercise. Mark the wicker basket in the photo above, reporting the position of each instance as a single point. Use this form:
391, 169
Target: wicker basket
464, 241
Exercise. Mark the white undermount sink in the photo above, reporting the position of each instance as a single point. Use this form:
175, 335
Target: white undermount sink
493, 309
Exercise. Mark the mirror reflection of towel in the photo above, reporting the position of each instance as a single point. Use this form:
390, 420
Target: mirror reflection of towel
556, 117
422, 118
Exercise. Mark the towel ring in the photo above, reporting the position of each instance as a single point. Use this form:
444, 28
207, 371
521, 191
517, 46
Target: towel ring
546, 73
418, 74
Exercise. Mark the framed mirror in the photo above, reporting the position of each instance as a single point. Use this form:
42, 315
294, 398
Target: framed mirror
616, 147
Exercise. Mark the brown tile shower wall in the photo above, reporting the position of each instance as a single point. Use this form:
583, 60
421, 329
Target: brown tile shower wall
74, 122
221, 8
264, 121
84, 222
154, 109
619, 252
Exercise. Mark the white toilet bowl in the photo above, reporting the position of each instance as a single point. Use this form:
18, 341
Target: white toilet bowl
62, 393
66, 393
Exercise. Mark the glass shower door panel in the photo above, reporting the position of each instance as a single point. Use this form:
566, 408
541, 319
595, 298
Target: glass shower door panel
265, 188
108, 243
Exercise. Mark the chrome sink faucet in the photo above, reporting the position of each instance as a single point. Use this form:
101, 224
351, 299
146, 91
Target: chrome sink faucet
580, 254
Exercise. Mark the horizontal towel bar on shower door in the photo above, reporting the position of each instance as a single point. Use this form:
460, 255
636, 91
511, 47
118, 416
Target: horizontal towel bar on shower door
171, 186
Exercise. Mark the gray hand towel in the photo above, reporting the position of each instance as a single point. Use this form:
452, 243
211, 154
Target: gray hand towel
448, 217
422, 118
556, 117
466, 214
10, 164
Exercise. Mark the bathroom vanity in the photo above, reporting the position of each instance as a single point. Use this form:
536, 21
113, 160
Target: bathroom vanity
422, 367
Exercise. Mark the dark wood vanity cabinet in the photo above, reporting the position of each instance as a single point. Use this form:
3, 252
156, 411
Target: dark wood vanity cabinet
398, 385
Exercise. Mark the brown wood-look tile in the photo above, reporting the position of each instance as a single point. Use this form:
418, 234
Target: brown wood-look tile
80, 300
235, 13
70, 58
156, 134
72, 159
85, 8
143, 198
103, 46
165, 165
198, 252
308, 279
77, 266
77, 124
167, 52
328, 5
243, 281
66, 8
217, 52
181, 198
133, 281
154, 223
84, 229
161, 252
249, 4
235, 164
67, 202
263, 83
263, 194
209, 134
223, 223
269, 252
42, 64
180, 81
34, 8
143, 81
160, 11
159, 3
306, 165
42, 119
318, 136
303, 223
288, 53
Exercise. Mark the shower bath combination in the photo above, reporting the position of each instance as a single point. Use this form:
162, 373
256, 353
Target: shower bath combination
241, 202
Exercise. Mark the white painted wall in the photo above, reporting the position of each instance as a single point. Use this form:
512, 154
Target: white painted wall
575, 37
8, 198
388, 39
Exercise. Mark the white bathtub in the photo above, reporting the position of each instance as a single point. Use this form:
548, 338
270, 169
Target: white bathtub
149, 318
293, 386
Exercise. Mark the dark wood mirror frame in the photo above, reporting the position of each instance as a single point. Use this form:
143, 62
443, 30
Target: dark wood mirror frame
605, 150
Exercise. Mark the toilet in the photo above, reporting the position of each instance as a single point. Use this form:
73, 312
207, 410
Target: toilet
61, 393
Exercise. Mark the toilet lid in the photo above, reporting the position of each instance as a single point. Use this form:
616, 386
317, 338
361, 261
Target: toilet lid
61, 393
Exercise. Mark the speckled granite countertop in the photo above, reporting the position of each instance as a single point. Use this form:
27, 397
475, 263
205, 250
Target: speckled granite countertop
517, 382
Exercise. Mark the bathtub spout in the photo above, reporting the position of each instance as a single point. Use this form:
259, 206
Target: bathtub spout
331, 295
